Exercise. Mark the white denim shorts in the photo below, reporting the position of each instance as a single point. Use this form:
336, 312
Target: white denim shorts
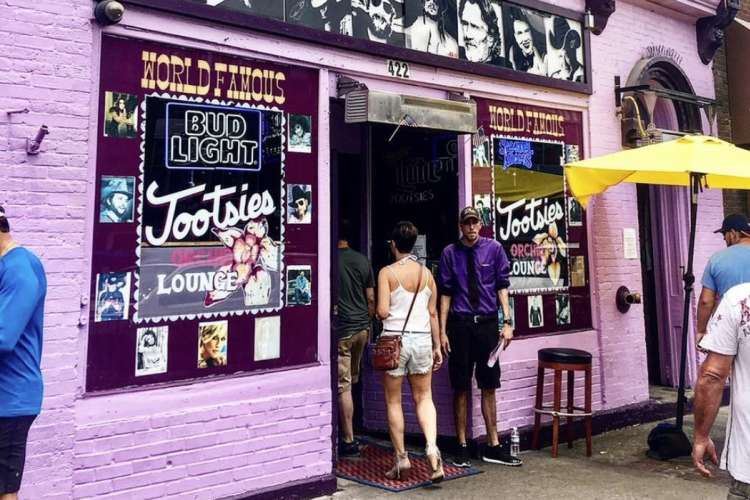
416, 354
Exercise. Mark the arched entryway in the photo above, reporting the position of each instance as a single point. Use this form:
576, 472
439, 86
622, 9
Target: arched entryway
664, 218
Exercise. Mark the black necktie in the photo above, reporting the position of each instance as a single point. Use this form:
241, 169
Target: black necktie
471, 271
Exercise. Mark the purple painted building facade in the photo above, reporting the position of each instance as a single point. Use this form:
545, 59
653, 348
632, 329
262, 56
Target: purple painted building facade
122, 419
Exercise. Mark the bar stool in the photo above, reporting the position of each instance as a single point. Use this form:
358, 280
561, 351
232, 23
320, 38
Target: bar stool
559, 360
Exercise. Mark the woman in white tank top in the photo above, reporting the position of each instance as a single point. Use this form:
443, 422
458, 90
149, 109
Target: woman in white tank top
420, 346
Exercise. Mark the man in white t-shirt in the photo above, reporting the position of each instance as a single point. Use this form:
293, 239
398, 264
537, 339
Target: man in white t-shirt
728, 345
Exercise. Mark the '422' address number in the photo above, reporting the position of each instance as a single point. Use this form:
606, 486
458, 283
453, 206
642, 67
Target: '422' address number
399, 69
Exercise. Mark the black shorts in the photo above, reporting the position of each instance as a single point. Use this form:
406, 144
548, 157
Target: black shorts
471, 344
14, 431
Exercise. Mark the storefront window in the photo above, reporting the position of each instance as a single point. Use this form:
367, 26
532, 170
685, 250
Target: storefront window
519, 188
205, 235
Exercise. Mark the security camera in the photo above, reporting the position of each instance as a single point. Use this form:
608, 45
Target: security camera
108, 12
33, 145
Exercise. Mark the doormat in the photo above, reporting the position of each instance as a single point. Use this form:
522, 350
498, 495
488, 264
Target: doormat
375, 460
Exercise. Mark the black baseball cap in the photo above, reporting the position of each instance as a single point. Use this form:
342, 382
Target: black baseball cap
736, 222
469, 213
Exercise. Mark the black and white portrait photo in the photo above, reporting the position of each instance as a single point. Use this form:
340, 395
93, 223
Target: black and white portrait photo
527, 45
112, 296
300, 133
299, 199
151, 350
431, 26
564, 49
265, 8
116, 203
572, 153
379, 21
481, 32
575, 212
334, 16
562, 309
536, 311
120, 115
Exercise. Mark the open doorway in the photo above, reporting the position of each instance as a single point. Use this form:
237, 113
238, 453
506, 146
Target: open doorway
380, 178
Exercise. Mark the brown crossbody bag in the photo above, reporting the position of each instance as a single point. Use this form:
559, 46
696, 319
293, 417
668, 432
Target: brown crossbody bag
387, 350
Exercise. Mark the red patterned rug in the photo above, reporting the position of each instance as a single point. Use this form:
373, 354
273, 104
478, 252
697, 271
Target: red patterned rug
370, 467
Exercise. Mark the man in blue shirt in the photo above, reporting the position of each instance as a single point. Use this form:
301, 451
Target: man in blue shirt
726, 268
23, 287
474, 281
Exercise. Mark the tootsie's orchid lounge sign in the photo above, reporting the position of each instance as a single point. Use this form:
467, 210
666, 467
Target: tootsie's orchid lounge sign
211, 210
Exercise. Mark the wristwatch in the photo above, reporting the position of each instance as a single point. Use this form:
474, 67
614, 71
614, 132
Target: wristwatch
508, 322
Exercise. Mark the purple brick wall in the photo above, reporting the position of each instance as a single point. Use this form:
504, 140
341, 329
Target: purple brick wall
230, 436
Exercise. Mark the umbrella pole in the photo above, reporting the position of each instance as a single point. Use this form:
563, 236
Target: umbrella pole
689, 279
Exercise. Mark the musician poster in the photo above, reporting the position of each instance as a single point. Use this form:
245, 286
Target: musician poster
530, 212
211, 210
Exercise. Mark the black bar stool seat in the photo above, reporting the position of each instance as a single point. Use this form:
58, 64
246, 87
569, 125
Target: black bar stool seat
560, 359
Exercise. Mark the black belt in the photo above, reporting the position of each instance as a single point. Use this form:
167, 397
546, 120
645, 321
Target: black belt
473, 318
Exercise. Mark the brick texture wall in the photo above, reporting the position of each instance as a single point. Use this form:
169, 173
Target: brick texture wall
45, 67
210, 440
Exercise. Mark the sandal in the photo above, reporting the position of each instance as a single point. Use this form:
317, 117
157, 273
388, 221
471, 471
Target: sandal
401, 468
433, 453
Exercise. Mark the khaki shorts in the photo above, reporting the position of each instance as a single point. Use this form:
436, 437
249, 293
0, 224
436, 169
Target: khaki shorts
350, 359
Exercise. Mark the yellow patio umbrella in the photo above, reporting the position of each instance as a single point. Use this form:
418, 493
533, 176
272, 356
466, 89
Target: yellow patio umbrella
722, 165
694, 161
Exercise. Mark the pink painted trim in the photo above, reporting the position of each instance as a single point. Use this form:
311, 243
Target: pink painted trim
324, 218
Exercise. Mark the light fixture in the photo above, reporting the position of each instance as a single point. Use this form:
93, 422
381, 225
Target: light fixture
588, 20
109, 12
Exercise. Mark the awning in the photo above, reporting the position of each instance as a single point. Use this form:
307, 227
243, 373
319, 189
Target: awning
369, 106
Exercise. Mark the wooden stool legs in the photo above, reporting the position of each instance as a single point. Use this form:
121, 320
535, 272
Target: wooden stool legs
569, 425
555, 409
587, 409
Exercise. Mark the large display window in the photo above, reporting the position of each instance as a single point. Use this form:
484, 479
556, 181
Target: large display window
519, 189
205, 230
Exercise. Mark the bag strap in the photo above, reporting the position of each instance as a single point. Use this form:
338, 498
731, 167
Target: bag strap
413, 299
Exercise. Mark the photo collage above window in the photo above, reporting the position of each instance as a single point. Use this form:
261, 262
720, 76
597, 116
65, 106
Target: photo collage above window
519, 189
500, 34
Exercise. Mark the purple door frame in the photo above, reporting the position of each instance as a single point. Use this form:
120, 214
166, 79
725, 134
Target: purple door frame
670, 222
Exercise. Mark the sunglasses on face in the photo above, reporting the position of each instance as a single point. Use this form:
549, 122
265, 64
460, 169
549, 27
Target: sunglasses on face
301, 203
387, 7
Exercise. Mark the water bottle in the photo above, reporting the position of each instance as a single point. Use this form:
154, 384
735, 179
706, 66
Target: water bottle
515, 443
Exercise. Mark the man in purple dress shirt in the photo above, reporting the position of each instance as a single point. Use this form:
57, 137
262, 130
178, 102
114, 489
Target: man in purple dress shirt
474, 279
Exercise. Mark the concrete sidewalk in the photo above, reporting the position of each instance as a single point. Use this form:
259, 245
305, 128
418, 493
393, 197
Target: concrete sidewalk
619, 469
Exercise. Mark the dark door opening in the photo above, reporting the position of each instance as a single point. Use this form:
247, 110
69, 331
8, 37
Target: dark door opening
648, 274
415, 178
378, 180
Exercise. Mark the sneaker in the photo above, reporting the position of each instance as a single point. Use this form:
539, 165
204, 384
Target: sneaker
498, 455
348, 449
461, 457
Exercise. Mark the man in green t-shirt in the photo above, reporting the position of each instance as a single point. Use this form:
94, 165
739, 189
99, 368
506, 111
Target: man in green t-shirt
355, 308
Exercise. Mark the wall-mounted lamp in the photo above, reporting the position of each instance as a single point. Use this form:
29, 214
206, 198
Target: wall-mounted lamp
33, 145
588, 20
108, 12
624, 299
